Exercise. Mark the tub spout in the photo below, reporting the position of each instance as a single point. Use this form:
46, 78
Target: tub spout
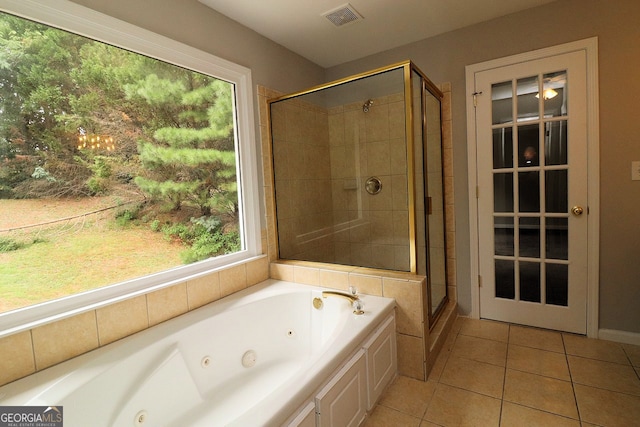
352, 298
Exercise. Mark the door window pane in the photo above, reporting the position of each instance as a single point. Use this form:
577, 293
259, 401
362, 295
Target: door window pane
527, 90
505, 279
555, 143
556, 194
530, 281
503, 232
529, 237
557, 284
502, 102
528, 137
502, 148
555, 94
557, 238
503, 192
529, 191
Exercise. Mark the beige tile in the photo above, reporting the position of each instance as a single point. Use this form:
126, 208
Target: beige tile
17, 357
425, 423
233, 279
408, 395
607, 375
607, 408
451, 406
64, 339
443, 357
257, 271
409, 312
122, 319
594, 349
167, 303
203, 290
387, 417
370, 285
541, 362
474, 376
457, 325
516, 416
536, 338
481, 350
485, 329
281, 272
410, 356
334, 279
633, 353
306, 275
538, 392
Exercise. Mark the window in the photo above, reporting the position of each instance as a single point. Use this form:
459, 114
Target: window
127, 161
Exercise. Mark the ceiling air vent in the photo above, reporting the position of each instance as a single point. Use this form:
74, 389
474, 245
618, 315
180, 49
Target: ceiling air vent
342, 15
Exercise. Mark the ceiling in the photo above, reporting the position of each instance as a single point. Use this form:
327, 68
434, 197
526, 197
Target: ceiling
300, 26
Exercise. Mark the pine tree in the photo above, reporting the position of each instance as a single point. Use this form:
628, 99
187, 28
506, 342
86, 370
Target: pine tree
194, 159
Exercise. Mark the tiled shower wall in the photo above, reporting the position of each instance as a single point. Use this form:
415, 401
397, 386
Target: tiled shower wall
372, 230
324, 157
301, 138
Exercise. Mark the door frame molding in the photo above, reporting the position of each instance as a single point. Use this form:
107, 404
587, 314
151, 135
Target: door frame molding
590, 46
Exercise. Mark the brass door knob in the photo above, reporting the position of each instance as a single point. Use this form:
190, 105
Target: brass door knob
577, 210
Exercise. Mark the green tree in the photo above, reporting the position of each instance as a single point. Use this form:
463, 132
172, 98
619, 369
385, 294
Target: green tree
194, 159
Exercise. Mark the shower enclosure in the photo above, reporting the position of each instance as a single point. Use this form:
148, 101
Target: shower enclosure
357, 167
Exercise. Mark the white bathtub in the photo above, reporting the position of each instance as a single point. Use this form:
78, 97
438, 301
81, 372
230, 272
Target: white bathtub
189, 371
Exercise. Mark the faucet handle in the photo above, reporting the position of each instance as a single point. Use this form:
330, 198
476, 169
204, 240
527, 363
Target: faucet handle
358, 307
353, 290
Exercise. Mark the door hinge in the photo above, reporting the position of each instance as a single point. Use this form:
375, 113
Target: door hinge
475, 98
479, 281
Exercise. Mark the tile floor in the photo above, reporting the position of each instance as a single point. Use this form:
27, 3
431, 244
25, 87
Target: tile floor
496, 374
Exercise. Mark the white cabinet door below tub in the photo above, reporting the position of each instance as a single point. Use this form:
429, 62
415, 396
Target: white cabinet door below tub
343, 402
306, 417
382, 361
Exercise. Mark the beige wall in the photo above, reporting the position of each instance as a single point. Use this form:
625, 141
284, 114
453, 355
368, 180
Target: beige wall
615, 23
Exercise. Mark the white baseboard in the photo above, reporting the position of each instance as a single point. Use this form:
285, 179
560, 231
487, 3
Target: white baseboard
619, 336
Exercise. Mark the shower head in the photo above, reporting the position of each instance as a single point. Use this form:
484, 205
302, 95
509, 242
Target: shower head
367, 105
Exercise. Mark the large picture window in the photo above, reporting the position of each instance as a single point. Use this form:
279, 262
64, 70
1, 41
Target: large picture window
126, 161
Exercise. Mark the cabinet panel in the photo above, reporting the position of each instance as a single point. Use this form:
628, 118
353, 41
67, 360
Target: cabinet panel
382, 362
342, 402
306, 417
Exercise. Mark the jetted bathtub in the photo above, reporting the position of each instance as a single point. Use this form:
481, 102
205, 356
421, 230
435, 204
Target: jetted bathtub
251, 359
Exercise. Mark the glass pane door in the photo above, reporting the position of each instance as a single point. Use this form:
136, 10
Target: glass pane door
530, 188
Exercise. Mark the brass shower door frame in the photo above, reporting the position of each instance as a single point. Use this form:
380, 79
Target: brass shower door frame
407, 67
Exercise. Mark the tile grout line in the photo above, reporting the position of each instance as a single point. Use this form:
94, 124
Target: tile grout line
424, 414
504, 378
573, 385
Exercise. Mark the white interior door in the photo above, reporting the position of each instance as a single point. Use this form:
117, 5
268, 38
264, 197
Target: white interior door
531, 130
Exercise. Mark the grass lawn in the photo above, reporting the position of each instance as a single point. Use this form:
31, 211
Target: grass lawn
88, 257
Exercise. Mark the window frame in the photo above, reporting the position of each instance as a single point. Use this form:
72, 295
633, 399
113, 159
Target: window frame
65, 15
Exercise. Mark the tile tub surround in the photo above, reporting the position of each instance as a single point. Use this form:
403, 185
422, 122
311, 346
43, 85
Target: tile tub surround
30, 351
416, 349
492, 374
